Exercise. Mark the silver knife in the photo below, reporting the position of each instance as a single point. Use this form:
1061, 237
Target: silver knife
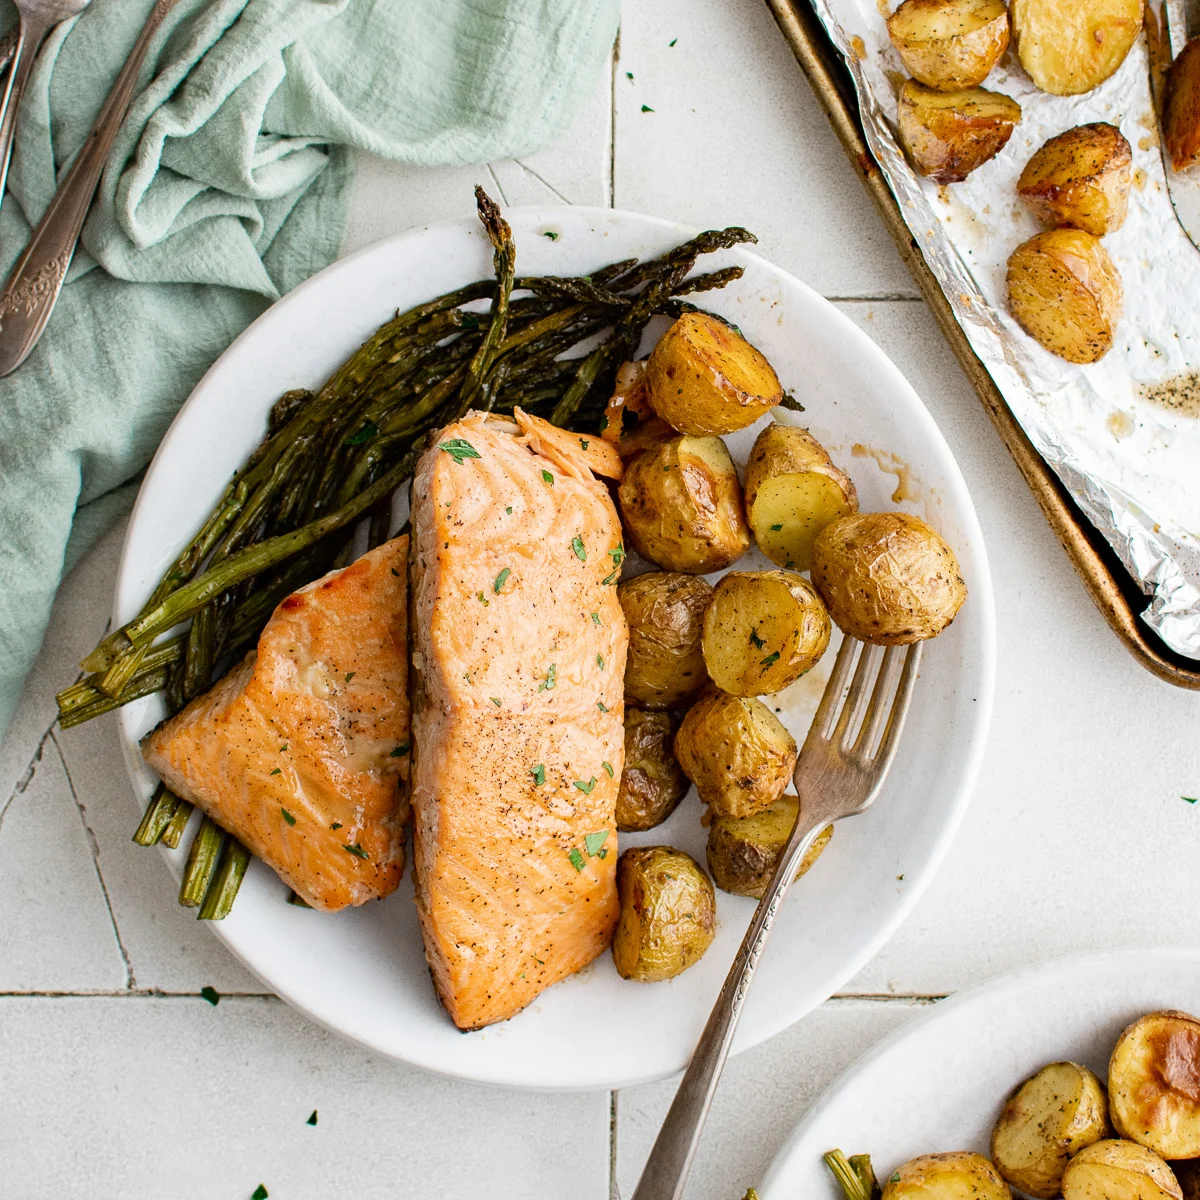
1182, 19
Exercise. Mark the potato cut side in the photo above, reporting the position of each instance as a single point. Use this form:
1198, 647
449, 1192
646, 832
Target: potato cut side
1071, 46
957, 1175
1051, 1116
1081, 178
1154, 1084
1066, 293
948, 134
1181, 111
762, 631
949, 44
1117, 1170
704, 378
742, 853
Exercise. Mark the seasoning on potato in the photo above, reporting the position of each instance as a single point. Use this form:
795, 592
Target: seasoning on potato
1066, 293
1154, 1084
949, 44
1117, 1170
668, 914
958, 1175
1081, 178
704, 378
792, 492
736, 752
1181, 109
762, 631
653, 782
1071, 46
664, 667
681, 506
887, 578
1051, 1116
948, 134
742, 852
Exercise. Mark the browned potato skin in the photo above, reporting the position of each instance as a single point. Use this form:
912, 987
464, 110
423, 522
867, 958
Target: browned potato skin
681, 506
887, 578
737, 753
948, 134
1154, 1084
932, 1176
1181, 109
960, 58
704, 378
652, 783
1081, 178
668, 914
1118, 1170
665, 613
1071, 46
742, 852
1066, 293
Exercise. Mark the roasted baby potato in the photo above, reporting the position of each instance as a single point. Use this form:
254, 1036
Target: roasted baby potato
742, 853
1181, 108
887, 578
1066, 293
1115, 1170
703, 378
762, 631
948, 134
681, 505
792, 492
949, 44
668, 914
652, 783
1071, 46
736, 752
1081, 178
1051, 1116
959, 1175
665, 613
1154, 1084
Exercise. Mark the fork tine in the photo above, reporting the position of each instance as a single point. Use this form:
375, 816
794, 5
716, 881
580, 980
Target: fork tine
852, 714
899, 709
822, 723
880, 707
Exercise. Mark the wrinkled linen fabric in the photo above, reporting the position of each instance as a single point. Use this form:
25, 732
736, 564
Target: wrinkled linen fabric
228, 185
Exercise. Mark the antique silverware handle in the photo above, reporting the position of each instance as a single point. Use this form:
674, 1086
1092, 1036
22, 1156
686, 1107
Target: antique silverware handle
32, 289
22, 51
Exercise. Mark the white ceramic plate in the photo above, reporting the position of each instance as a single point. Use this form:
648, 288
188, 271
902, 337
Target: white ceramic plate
363, 972
939, 1082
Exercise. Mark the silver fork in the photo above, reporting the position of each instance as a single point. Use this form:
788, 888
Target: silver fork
841, 768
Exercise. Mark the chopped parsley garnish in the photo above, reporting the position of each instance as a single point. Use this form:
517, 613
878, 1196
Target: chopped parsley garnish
283, 748
895, 1178
628, 74
594, 841
365, 434
672, 41
211, 995
600, 661
776, 528
336, 825
499, 581
312, 1120
617, 555
509, 510
277, 771
550, 234
482, 599
647, 108
350, 675
259, 1193
608, 767
355, 849
601, 706
578, 546
602, 852
576, 859
401, 750
586, 788
548, 684
755, 640
611, 577
1190, 799
459, 449
287, 816
539, 774
547, 477
596, 618
584, 443
496, 701
771, 658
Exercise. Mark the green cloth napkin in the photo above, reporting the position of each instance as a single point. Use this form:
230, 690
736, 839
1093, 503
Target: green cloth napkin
227, 186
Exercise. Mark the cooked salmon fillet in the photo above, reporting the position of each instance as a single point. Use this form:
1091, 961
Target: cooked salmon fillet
518, 659
302, 750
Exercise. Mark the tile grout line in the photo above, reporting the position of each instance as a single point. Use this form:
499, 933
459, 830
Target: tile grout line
880, 298
26, 779
130, 977
614, 1192
499, 185
544, 182
134, 994
612, 123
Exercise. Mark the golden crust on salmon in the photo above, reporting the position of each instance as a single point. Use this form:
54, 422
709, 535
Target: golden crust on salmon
302, 750
518, 665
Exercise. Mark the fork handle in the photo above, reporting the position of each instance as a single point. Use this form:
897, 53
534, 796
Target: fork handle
33, 286
29, 37
666, 1170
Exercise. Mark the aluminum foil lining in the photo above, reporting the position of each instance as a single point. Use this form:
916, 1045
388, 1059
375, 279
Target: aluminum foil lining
1123, 434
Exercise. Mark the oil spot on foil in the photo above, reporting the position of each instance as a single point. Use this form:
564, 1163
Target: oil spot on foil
859, 47
1120, 424
1139, 178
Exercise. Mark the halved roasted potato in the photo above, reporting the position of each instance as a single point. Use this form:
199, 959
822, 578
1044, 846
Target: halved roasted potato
668, 914
949, 44
762, 631
653, 782
1181, 109
1051, 1116
958, 1175
948, 134
1071, 46
681, 506
1154, 1084
742, 852
703, 378
1116, 1170
887, 578
737, 753
1081, 178
792, 492
1065, 292
665, 614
